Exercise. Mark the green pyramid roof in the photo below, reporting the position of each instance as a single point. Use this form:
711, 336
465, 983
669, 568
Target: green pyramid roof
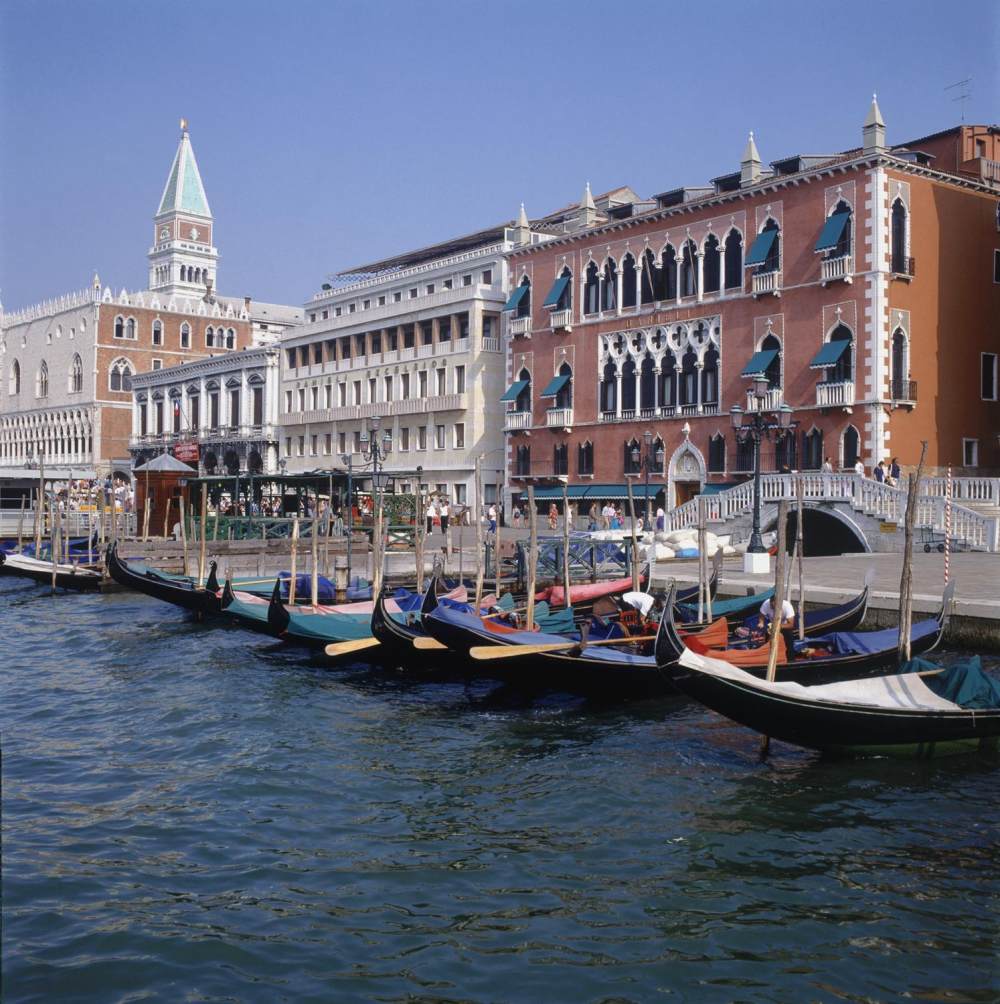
184, 190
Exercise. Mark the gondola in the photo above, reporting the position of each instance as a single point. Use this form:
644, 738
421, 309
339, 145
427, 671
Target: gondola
75, 577
899, 712
838, 655
396, 629
318, 625
179, 591
589, 670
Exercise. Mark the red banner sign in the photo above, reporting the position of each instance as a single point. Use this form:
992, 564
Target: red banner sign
186, 452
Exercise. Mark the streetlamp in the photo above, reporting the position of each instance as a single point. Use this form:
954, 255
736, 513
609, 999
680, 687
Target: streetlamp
645, 461
758, 426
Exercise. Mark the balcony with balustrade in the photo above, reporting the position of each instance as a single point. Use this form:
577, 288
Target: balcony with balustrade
561, 320
516, 421
520, 327
559, 418
837, 269
765, 283
835, 394
904, 393
772, 400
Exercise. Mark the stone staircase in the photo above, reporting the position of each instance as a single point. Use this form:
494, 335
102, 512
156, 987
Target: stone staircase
972, 520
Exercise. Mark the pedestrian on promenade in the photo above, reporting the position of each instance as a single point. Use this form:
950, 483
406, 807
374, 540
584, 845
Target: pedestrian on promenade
431, 513
892, 478
879, 472
517, 518
553, 516
661, 520
444, 511
493, 518
859, 467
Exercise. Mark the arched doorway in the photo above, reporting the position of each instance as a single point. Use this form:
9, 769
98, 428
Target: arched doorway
685, 472
825, 533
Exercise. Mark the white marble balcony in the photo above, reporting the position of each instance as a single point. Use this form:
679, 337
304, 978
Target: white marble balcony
838, 394
833, 269
559, 418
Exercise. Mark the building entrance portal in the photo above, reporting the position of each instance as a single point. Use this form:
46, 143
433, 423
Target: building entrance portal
684, 491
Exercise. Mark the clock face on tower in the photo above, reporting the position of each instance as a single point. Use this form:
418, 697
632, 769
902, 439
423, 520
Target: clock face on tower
164, 233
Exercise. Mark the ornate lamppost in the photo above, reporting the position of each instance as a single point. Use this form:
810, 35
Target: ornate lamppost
758, 426
645, 461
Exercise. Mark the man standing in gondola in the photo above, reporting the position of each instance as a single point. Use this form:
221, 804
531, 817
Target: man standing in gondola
787, 625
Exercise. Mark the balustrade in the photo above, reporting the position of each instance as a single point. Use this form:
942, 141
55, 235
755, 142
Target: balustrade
832, 269
766, 282
514, 420
561, 320
838, 394
559, 417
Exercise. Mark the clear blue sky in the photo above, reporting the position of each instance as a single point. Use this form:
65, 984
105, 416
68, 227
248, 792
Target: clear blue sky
329, 133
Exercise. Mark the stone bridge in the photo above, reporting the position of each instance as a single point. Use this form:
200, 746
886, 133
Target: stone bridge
856, 513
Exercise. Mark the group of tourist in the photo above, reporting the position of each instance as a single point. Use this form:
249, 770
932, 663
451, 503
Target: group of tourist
884, 472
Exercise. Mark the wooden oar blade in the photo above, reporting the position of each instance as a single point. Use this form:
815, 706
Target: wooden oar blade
426, 643
339, 648
485, 653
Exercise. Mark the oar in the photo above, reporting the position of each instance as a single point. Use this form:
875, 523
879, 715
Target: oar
426, 642
486, 652
347, 647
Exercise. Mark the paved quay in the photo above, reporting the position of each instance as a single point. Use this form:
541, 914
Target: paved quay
976, 616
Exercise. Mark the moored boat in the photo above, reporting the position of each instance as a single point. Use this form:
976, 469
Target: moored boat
178, 590
76, 577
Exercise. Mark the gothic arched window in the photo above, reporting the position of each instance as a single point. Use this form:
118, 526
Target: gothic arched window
585, 458
710, 378
773, 260
524, 304
899, 238
119, 327
230, 338
609, 389
185, 335
628, 386
689, 270
210, 337
130, 329
14, 384
609, 286
717, 454
120, 376
76, 375
523, 400
668, 275
712, 266
734, 260
564, 399
647, 383
842, 370
843, 245
592, 289
851, 446
773, 371
628, 281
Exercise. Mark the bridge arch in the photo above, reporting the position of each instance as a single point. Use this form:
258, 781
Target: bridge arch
827, 530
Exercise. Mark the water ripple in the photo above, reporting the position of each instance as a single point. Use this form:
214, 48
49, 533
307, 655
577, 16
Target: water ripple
193, 813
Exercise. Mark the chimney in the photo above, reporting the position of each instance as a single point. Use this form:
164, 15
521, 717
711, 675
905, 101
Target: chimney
246, 304
874, 129
588, 211
750, 164
522, 229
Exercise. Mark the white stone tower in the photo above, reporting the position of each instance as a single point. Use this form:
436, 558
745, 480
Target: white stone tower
183, 259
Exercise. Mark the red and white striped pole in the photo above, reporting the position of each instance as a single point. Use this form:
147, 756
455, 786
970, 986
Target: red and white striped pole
947, 526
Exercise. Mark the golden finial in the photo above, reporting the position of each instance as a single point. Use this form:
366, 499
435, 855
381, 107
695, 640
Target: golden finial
184, 125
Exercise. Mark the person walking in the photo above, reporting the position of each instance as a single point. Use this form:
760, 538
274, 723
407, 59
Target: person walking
827, 467
443, 512
879, 472
859, 467
894, 473
553, 516
592, 517
493, 518
517, 517
661, 520
431, 513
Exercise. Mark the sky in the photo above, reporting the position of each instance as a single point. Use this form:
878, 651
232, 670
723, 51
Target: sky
331, 134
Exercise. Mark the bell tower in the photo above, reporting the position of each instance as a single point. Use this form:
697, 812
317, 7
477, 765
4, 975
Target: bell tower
182, 259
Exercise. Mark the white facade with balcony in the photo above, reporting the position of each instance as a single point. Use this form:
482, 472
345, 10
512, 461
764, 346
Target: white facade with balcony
226, 405
417, 342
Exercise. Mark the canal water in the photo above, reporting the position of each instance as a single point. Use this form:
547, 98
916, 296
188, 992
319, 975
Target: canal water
191, 812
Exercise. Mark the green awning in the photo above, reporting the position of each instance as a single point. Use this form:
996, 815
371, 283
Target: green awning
759, 363
516, 297
556, 292
829, 354
555, 385
596, 492
514, 389
832, 230
761, 247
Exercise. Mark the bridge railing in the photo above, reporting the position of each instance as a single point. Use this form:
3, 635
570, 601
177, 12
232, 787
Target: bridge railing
874, 498
981, 490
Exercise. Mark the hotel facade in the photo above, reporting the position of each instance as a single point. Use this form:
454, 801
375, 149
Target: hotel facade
863, 287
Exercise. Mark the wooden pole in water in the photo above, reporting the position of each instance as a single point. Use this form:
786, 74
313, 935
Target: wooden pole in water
20, 524
906, 576
565, 554
295, 559
779, 591
40, 530
800, 546
53, 550
480, 550
378, 545
635, 542
215, 528
532, 557
145, 520
418, 537
184, 539
166, 517
702, 561
315, 563
201, 537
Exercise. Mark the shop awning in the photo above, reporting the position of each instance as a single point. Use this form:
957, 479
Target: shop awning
759, 363
514, 389
832, 230
555, 385
612, 492
761, 247
829, 354
516, 297
556, 292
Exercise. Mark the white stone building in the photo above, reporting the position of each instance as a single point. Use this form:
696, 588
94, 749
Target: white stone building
415, 340
221, 412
